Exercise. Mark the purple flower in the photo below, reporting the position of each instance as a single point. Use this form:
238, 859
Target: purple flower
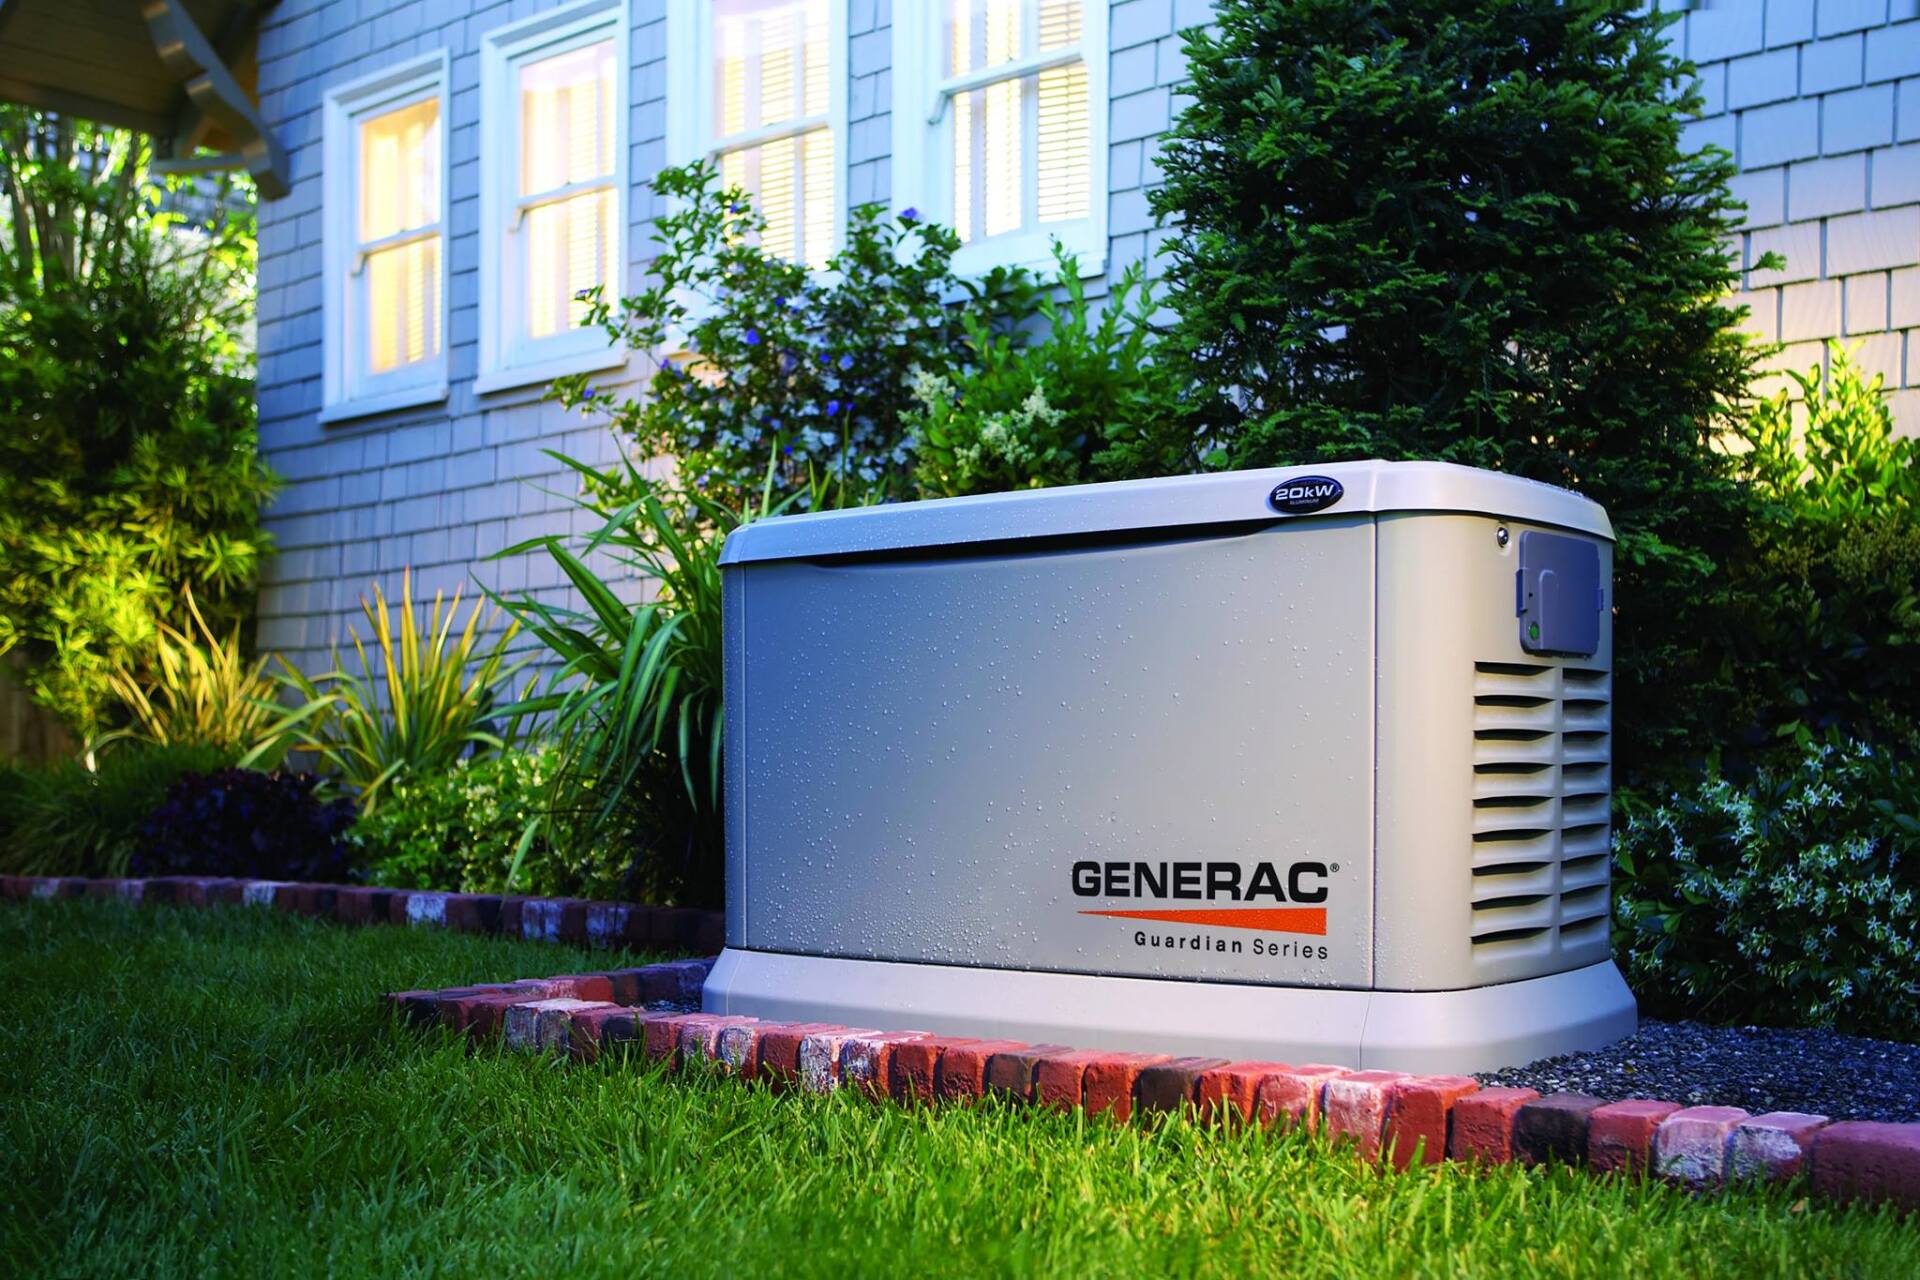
846, 362
789, 451
753, 337
909, 215
833, 407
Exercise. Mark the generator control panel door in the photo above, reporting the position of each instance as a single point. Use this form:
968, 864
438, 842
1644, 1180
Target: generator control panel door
1148, 757
1558, 594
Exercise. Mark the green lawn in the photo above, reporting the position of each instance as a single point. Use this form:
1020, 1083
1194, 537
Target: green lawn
217, 1092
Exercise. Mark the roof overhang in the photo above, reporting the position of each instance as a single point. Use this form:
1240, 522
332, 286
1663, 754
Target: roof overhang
182, 71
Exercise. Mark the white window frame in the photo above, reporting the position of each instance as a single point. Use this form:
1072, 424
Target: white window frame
508, 359
922, 169
348, 390
690, 98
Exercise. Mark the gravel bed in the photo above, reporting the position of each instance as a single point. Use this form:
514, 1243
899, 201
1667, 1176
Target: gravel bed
1759, 1068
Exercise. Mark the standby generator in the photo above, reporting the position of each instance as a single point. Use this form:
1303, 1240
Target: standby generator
1305, 765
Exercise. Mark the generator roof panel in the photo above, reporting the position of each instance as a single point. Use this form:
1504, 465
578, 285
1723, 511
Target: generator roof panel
1236, 497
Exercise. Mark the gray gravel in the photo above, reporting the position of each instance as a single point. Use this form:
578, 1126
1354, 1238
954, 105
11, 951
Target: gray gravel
1759, 1068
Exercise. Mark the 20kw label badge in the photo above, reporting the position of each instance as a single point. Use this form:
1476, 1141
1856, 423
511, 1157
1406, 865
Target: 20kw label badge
1301, 883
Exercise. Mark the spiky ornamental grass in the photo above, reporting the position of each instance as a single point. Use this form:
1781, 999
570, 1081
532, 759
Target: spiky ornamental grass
201, 1092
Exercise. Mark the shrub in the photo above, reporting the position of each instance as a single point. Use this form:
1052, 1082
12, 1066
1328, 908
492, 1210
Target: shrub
127, 429
202, 689
241, 822
1025, 411
638, 721
1470, 231
69, 820
814, 368
483, 826
1827, 634
430, 698
1787, 899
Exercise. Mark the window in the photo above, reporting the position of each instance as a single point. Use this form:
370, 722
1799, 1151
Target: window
553, 191
760, 87
385, 242
999, 126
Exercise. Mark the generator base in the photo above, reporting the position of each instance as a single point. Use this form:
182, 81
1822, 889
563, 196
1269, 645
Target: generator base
1479, 1029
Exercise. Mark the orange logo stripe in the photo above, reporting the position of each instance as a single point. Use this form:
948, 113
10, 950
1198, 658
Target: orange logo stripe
1271, 919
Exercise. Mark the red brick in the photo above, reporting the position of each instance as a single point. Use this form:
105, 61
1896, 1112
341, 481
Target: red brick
738, 1048
544, 1024
599, 1029
573, 922
540, 919
1292, 1097
420, 1008
423, 910
1772, 1147
963, 1067
1868, 1160
1690, 1146
510, 914
1355, 1106
1620, 1134
1010, 1073
606, 923
1108, 1082
866, 1061
353, 905
913, 1074
1057, 1078
699, 1037
679, 981
473, 912
1418, 1111
820, 1057
660, 1034
780, 1051
482, 1013
582, 986
1227, 1093
1554, 1128
1483, 1124
1172, 1084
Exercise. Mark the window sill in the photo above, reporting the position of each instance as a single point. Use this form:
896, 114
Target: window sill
368, 406
976, 260
516, 377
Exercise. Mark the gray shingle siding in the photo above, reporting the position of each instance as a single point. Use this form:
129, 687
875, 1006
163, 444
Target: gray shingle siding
1813, 97
1818, 96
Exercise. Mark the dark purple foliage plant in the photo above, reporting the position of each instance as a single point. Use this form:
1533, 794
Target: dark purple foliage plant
243, 822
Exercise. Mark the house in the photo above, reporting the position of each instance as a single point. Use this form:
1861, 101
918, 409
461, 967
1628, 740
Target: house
456, 171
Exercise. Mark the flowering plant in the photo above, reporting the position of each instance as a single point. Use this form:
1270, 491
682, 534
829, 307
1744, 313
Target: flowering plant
751, 355
1790, 898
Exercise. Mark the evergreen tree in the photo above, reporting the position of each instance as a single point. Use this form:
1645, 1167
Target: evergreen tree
1468, 230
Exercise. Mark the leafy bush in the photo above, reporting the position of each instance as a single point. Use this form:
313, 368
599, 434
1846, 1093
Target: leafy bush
1827, 634
127, 431
430, 698
1027, 411
814, 368
483, 826
1470, 231
1789, 899
1845, 463
638, 721
69, 820
202, 690
241, 822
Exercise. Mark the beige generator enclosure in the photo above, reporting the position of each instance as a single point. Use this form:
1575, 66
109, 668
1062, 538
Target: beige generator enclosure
1299, 765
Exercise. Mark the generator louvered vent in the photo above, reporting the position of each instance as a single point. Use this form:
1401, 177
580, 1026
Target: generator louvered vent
1541, 763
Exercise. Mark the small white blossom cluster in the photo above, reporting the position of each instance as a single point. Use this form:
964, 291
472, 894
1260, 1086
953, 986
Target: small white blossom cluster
1785, 898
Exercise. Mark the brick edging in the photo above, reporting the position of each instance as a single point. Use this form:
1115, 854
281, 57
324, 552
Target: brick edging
1384, 1115
574, 920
